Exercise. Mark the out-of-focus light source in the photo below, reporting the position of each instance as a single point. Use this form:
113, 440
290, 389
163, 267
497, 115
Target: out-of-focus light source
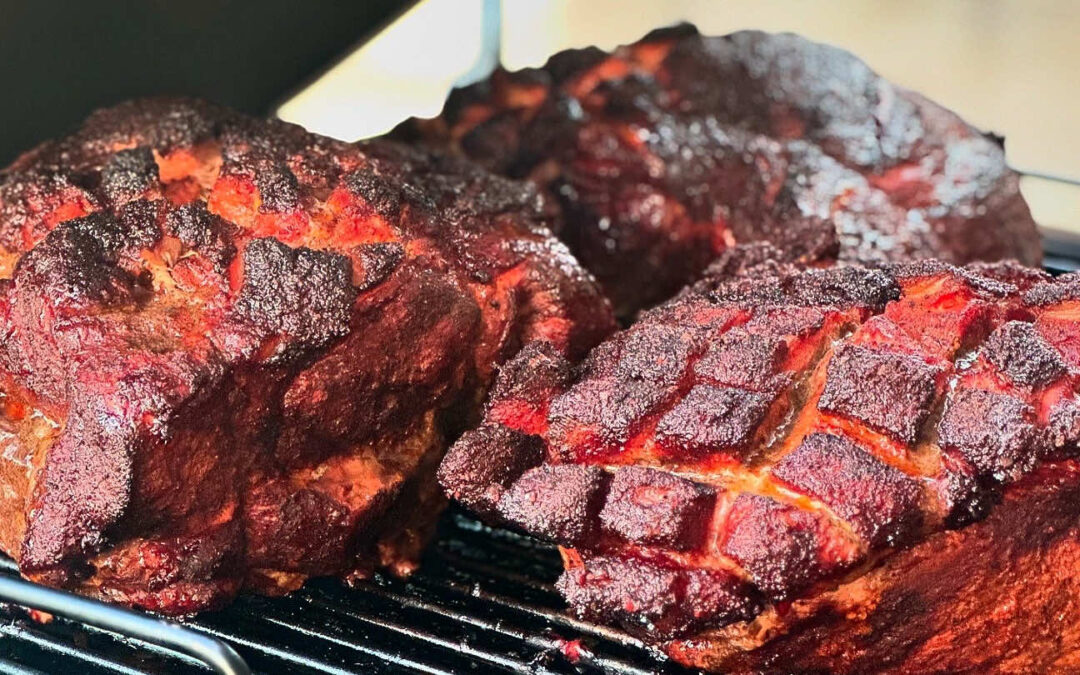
407, 70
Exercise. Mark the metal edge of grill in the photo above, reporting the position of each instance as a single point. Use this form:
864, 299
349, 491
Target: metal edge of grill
483, 602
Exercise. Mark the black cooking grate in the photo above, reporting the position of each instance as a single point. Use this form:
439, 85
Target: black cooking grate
483, 602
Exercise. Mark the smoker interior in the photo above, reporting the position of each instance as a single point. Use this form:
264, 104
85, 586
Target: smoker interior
483, 602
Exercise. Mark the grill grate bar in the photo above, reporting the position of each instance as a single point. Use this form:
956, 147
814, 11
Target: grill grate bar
542, 642
12, 668
496, 574
431, 639
444, 588
44, 642
385, 655
529, 569
439, 579
370, 630
144, 646
281, 656
122, 622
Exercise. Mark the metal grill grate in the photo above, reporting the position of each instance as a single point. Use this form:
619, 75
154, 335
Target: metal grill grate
482, 603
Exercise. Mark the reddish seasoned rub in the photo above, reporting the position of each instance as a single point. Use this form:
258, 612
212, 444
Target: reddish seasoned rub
663, 153
234, 351
806, 440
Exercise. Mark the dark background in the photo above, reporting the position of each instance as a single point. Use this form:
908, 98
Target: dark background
60, 60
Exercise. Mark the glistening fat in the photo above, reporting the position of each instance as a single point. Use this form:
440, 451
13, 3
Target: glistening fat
233, 351
846, 470
664, 153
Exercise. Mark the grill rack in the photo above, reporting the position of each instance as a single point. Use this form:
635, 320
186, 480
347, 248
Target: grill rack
483, 602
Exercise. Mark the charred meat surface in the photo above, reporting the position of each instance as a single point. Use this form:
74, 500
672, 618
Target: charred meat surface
234, 351
665, 152
768, 439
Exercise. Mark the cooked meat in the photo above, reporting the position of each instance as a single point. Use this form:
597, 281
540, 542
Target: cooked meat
783, 471
233, 351
663, 153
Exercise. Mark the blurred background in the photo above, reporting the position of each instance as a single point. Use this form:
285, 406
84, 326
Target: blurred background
60, 59
355, 69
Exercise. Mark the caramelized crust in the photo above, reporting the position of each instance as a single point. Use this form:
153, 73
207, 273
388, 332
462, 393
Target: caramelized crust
999, 596
663, 153
233, 351
884, 408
